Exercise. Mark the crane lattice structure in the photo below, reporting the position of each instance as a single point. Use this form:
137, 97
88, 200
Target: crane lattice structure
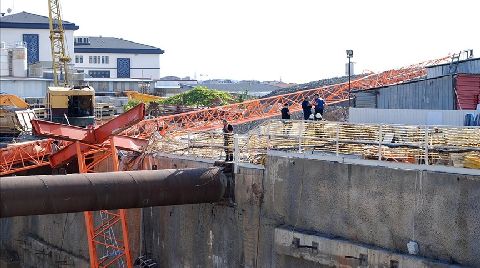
92, 146
258, 109
60, 58
32, 155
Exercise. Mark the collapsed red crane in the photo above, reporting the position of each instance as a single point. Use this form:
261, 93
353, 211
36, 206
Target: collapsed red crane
252, 110
31, 155
93, 146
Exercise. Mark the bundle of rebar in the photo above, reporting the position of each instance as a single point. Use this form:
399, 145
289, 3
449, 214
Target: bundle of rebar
398, 143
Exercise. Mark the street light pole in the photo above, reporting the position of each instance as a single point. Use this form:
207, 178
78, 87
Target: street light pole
349, 85
349, 56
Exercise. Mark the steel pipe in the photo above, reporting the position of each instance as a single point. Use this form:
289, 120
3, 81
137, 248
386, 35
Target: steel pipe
38, 195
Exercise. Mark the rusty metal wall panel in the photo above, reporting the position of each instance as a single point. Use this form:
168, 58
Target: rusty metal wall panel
468, 91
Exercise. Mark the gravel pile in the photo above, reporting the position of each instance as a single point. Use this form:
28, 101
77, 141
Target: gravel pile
311, 85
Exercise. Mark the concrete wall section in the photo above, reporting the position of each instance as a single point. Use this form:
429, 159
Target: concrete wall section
378, 206
206, 235
346, 209
404, 116
44, 241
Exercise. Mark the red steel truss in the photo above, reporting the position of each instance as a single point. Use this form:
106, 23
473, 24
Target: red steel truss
106, 245
268, 107
30, 155
25, 156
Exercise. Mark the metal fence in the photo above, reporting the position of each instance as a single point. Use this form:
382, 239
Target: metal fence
440, 145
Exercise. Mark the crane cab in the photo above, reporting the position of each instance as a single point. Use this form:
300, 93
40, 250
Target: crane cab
71, 105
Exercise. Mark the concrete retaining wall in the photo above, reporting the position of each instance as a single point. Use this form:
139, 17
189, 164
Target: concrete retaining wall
369, 212
378, 206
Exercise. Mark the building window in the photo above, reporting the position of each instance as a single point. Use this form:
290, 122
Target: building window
99, 74
98, 59
78, 59
82, 40
105, 59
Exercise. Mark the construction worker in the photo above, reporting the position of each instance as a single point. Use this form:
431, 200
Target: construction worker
286, 116
307, 109
285, 112
319, 104
228, 140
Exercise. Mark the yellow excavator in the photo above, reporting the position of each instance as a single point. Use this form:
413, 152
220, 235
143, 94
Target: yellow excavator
12, 100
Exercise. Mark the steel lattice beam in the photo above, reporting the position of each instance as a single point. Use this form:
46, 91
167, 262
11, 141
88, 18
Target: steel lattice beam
252, 110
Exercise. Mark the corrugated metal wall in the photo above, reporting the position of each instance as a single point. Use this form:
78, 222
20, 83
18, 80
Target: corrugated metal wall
467, 67
433, 94
468, 91
408, 117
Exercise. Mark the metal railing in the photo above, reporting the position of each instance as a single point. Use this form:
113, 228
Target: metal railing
439, 145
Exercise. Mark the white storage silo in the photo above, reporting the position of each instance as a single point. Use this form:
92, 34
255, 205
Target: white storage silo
19, 61
4, 64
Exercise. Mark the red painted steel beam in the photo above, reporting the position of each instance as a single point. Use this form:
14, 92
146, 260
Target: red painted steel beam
62, 132
119, 123
65, 154
129, 143
90, 136
70, 151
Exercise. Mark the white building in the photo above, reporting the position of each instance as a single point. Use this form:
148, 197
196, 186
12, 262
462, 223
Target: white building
109, 57
34, 31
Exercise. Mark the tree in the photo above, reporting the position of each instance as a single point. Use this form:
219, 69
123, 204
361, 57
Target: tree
200, 96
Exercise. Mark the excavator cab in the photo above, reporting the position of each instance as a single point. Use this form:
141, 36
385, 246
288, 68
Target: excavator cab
73, 106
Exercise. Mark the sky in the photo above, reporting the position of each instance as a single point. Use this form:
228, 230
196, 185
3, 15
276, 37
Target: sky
295, 41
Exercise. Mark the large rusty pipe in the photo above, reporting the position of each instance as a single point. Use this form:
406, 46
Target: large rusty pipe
38, 195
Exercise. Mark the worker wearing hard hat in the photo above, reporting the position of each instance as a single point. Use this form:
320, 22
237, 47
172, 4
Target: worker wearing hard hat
319, 104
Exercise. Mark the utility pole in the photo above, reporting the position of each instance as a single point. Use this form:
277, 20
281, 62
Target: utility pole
349, 56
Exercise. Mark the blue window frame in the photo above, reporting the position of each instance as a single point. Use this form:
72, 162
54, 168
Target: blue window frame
32, 48
99, 74
123, 68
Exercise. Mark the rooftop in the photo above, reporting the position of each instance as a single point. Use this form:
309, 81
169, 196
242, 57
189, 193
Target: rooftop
460, 61
25, 20
99, 44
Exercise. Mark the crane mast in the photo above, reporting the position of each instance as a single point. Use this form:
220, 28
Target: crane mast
60, 59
